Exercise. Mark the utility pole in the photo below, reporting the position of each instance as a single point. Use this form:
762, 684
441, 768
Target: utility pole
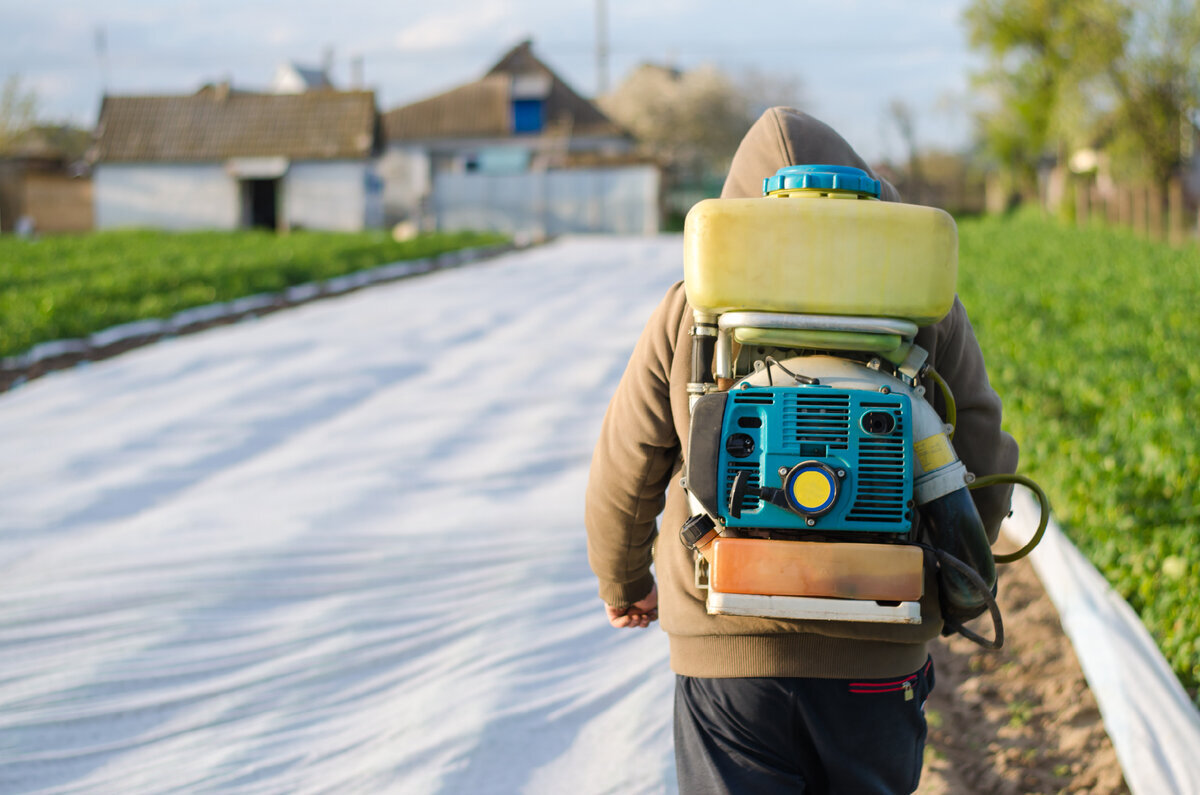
601, 48
101, 42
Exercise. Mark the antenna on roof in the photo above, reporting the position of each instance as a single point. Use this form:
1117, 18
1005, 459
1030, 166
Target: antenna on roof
601, 48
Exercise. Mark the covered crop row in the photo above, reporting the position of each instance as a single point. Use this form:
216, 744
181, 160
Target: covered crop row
67, 287
1091, 337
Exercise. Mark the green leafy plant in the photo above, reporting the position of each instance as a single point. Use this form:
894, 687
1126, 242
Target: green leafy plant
66, 287
1090, 336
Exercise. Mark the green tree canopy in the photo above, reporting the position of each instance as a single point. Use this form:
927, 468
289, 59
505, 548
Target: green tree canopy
1122, 74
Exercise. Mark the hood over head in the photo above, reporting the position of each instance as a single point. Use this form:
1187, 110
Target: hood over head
788, 137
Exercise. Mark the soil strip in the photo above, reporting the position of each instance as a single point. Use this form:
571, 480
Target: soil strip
1021, 719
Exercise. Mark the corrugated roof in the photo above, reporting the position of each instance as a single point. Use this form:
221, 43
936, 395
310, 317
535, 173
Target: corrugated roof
217, 124
483, 109
476, 110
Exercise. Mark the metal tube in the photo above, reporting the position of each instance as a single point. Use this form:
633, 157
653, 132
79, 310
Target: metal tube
723, 366
704, 335
781, 320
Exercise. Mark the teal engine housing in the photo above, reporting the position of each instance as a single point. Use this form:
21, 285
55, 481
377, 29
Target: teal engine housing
808, 458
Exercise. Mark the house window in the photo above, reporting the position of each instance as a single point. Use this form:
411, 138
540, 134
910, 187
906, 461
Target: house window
503, 160
527, 115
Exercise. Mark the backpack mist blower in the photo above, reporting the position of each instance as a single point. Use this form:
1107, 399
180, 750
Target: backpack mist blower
822, 482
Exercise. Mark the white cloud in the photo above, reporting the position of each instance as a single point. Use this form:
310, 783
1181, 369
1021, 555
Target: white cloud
282, 35
457, 28
51, 87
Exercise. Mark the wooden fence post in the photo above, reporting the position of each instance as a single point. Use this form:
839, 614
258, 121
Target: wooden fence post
1154, 200
1139, 210
1175, 211
1082, 207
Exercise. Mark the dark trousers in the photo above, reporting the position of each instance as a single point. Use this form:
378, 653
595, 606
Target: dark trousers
770, 735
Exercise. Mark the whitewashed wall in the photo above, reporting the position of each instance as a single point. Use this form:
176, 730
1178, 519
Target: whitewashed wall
343, 196
609, 200
406, 178
165, 196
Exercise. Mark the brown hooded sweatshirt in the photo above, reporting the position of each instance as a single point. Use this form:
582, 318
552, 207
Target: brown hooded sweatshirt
638, 459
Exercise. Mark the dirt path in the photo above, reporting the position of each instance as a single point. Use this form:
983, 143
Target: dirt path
1019, 720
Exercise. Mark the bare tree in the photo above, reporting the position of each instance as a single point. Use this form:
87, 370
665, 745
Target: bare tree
693, 120
18, 111
901, 115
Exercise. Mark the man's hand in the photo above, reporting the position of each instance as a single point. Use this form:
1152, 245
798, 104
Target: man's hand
639, 614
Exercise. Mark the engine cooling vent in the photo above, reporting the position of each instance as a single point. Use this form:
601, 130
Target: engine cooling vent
817, 419
757, 397
750, 500
881, 495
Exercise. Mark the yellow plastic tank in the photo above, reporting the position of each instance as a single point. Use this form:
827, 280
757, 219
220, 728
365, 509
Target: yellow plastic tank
821, 252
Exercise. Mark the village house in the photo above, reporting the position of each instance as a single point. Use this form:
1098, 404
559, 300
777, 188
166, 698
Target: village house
227, 159
44, 184
518, 151
293, 78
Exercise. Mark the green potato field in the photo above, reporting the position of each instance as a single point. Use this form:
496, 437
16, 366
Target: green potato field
65, 287
1092, 339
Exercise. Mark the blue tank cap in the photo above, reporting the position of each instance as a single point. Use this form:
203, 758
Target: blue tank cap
844, 178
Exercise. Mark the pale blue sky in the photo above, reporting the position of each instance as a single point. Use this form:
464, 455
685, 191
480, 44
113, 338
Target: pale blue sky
851, 57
